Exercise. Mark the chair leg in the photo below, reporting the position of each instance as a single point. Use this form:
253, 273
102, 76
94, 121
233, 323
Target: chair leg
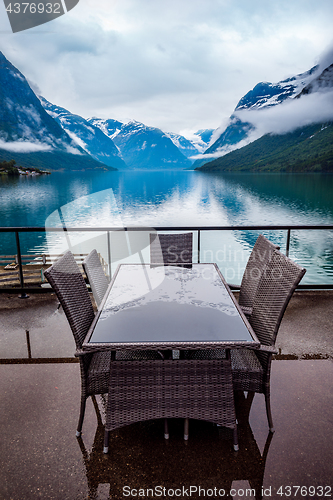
81, 417
236, 447
166, 429
106, 442
268, 410
186, 429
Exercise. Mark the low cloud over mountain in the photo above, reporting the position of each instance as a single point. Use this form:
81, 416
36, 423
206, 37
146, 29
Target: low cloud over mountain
277, 109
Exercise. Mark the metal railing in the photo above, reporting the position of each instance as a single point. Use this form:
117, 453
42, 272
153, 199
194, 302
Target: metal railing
198, 229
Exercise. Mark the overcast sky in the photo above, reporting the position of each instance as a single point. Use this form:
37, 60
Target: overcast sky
180, 65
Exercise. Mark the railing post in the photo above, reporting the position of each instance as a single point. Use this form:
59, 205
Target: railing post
199, 246
19, 258
288, 243
109, 253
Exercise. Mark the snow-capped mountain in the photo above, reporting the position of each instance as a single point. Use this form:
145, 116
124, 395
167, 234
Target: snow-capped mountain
203, 137
323, 82
270, 94
263, 96
184, 145
197, 143
86, 135
143, 147
109, 127
28, 134
23, 120
187, 146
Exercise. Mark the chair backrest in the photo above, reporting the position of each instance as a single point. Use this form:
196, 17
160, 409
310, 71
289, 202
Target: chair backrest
66, 280
260, 256
171, 248
98, 281
276, 286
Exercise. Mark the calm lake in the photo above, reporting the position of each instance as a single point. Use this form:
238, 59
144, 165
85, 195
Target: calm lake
177, 198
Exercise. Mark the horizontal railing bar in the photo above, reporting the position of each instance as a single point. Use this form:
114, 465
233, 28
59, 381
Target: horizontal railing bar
27, 289
36, 361
166, 228
38, 289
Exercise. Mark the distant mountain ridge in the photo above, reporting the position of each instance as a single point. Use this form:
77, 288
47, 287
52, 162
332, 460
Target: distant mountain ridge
28, 134
144, 147
36, 132
264, 95
86, 135
306, 148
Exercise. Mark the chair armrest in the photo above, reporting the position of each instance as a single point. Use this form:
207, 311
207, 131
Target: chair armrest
79, 352
232, 286
270, 349
247, 310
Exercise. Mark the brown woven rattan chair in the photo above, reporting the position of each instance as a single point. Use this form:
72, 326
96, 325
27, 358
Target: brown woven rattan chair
146, 390
258, 260
97, 280
66, 280
251, 369
171, 248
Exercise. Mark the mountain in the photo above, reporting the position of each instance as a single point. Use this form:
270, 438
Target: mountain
109, 127
90, 138
28, 134
263, 95
143, 147
191, 147
35, 132
306, 149
203, 137
321, 83
188, 147
185, 146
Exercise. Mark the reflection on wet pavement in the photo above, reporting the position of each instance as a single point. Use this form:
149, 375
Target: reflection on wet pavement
39, 409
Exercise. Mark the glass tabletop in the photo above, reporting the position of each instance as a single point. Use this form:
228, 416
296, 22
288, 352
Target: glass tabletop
169, 306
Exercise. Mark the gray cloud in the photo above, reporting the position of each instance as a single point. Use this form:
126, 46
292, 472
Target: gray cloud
24, 146
294, 113
174, 65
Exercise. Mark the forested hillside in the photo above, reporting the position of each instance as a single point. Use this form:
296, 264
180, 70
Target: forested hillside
306, 149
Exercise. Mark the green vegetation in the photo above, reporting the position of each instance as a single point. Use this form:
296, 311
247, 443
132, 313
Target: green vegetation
57, 160
9, 168
307, 149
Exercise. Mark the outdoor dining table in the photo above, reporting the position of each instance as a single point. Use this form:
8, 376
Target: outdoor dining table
156, 308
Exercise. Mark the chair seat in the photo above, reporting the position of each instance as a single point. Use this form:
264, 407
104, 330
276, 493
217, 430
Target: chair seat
247, 371
99, 367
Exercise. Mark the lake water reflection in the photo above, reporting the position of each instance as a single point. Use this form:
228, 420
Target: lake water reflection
172, 198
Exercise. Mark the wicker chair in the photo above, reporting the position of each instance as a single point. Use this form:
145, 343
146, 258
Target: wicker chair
66, 280
97, 280
260, 256
251, 369
171, 248
147, 390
